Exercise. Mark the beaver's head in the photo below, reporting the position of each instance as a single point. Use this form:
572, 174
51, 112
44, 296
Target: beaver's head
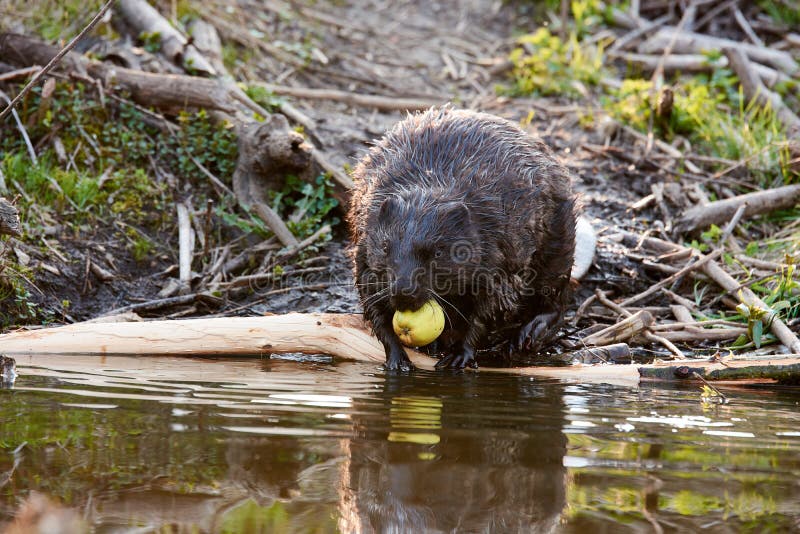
424, 245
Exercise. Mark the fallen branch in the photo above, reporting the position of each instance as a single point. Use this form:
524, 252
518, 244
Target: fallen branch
693, 266
720, 211
755, 90
386, 103
783, 372
144, 18
648, 334
695, 43
624, 330
700, 63
185, 247
55, 58
171, 92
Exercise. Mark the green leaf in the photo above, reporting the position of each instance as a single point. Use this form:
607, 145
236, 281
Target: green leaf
758, 328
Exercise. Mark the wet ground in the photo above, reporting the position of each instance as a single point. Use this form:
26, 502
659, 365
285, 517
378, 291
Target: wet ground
278, 445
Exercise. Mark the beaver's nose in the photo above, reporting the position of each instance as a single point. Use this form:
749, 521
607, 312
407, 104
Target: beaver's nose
406, 294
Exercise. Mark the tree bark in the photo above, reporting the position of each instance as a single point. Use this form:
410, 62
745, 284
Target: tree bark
9, 219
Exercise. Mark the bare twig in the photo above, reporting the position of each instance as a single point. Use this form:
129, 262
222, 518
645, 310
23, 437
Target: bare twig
19, 73
387, 103
692, 266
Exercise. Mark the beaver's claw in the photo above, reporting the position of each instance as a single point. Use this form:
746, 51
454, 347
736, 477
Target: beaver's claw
397, 360
530, 335
458, 360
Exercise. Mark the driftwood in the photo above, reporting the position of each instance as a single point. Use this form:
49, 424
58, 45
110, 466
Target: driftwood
723, 210
9, 219
684, 42
143, 18
754, 89
341, 335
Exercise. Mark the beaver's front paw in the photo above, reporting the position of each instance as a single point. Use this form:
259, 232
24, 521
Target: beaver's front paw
397, 360
458, 360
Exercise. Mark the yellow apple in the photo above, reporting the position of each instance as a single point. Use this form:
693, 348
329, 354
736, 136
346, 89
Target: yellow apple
419, 327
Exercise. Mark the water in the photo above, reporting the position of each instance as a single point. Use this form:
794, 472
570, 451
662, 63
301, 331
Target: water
260, 445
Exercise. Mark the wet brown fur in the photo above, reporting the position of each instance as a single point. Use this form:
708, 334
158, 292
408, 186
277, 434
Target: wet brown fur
451, 176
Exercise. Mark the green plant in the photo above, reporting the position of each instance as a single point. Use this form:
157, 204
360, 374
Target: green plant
264, 98
306, 205
151, 41
545, 65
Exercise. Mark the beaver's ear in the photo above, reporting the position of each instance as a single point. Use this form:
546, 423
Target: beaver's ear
390, 208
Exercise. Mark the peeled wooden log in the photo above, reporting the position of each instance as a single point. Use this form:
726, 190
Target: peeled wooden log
722, 210
341, 335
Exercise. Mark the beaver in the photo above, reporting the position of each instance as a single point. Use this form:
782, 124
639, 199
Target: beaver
468, 209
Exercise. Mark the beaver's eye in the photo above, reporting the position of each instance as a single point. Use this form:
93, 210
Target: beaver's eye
439, 253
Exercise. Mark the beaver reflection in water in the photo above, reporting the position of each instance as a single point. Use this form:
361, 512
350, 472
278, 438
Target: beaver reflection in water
467, 209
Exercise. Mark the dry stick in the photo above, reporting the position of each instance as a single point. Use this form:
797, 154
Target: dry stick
700, 63
692, 266
755, 90
19, 72
721, 210
726, 233
781, 331
22, 131
185, 246
683, 301
214, 180
647, 334
622, 42
145, 18
385, 103
711, 13
682, 314
623, 330
761, 264
737, 13
53, 62
323, 230
664, 147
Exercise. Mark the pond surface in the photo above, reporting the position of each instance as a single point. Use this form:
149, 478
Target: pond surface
275, 445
